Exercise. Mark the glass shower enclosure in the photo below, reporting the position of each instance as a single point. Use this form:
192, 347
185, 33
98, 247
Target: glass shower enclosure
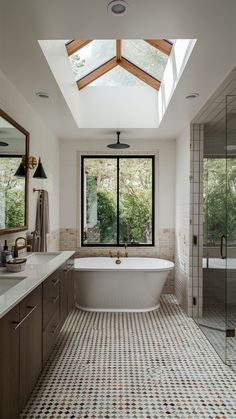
217, 317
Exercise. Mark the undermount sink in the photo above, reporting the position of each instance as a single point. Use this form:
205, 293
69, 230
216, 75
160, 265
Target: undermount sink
38, 258
6, 283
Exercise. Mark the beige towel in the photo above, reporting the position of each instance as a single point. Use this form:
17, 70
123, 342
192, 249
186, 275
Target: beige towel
42, 222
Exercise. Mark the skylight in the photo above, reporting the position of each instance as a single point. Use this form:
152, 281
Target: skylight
92, 56
145, 56
118, 76
118, 62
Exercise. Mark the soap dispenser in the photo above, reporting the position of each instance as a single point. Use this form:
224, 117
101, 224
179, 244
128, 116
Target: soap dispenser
6, 255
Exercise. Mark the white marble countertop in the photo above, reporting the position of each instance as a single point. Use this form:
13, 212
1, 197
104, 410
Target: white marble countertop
33, 275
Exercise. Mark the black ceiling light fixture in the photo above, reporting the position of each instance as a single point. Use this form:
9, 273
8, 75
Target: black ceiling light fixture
118, 145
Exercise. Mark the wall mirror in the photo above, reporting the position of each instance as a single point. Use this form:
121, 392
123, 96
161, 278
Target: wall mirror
14, 149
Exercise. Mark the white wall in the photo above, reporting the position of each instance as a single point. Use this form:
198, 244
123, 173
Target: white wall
182, 217
42, 143
70, 178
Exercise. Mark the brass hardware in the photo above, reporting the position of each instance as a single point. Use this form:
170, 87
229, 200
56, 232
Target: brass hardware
230, 333
56, 281
221, 246
25, 245
55, 299
30, 162
18, 324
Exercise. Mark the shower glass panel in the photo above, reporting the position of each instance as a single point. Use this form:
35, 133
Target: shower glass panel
231, 231
212, 320
217, 318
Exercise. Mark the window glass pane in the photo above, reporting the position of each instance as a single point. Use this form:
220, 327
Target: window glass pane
92, 56
100, 201
12, 194
118, 76
145, 56
135, 198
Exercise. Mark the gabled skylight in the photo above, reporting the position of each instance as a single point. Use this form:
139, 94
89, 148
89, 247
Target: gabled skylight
94, 62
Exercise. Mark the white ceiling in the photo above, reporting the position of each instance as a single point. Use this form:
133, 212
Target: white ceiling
23, 23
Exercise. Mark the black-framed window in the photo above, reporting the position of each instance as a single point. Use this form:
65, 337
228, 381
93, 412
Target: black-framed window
117, 200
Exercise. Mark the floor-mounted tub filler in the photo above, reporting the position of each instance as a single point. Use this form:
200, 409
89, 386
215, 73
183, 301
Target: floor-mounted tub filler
135, 284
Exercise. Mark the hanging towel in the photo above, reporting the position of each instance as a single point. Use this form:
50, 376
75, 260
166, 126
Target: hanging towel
42, 221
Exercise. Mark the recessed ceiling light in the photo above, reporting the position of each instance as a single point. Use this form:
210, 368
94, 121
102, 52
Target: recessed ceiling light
42, 95
192, 96
117, 7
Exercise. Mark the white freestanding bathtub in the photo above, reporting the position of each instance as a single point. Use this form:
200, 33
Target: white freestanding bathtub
133, 285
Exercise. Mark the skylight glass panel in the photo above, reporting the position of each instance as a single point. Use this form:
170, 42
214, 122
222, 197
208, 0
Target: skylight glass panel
118, 76
145, 56
92, 56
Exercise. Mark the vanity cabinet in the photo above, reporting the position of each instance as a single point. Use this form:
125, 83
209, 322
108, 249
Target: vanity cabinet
51, 311
9, 364
20, 353
67, 289
27, 335
58, 301
30, 326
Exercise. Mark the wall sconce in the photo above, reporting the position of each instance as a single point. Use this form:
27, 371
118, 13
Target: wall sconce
31, 163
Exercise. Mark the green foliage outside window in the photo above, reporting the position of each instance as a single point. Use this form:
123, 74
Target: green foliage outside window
219, 200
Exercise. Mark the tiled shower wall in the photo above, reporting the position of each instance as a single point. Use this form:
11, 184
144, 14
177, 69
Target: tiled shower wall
182, 215
196, 221
165, 248
189, 219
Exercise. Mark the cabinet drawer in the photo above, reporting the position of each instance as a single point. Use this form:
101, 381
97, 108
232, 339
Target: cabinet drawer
50, 333
51, 297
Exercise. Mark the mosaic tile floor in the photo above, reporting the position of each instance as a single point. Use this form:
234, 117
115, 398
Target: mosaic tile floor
214, 317
142, 365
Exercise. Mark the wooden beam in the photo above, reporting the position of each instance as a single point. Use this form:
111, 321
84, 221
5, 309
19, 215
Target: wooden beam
160, 44
142, 75
74, 46
118, 50
94, 75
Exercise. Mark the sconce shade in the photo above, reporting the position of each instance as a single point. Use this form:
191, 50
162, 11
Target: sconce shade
20, 171
39, 172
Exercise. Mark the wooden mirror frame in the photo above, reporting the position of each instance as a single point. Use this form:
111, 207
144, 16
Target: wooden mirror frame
27, 139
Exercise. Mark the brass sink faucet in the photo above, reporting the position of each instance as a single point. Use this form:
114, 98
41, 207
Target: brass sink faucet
25, 245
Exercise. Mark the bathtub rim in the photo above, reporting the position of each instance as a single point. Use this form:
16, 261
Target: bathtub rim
119, 268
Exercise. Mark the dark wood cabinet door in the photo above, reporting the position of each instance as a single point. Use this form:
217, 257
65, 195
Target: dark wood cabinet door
9, 365
64, 295
70, 282
50, 334
30, 343
51, 296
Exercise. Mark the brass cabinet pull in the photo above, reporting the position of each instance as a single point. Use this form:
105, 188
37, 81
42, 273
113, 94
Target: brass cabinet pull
56, 281
222, 238
18, 324
55, 328
55, 299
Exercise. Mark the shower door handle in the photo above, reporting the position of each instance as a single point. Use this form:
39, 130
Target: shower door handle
221, 246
